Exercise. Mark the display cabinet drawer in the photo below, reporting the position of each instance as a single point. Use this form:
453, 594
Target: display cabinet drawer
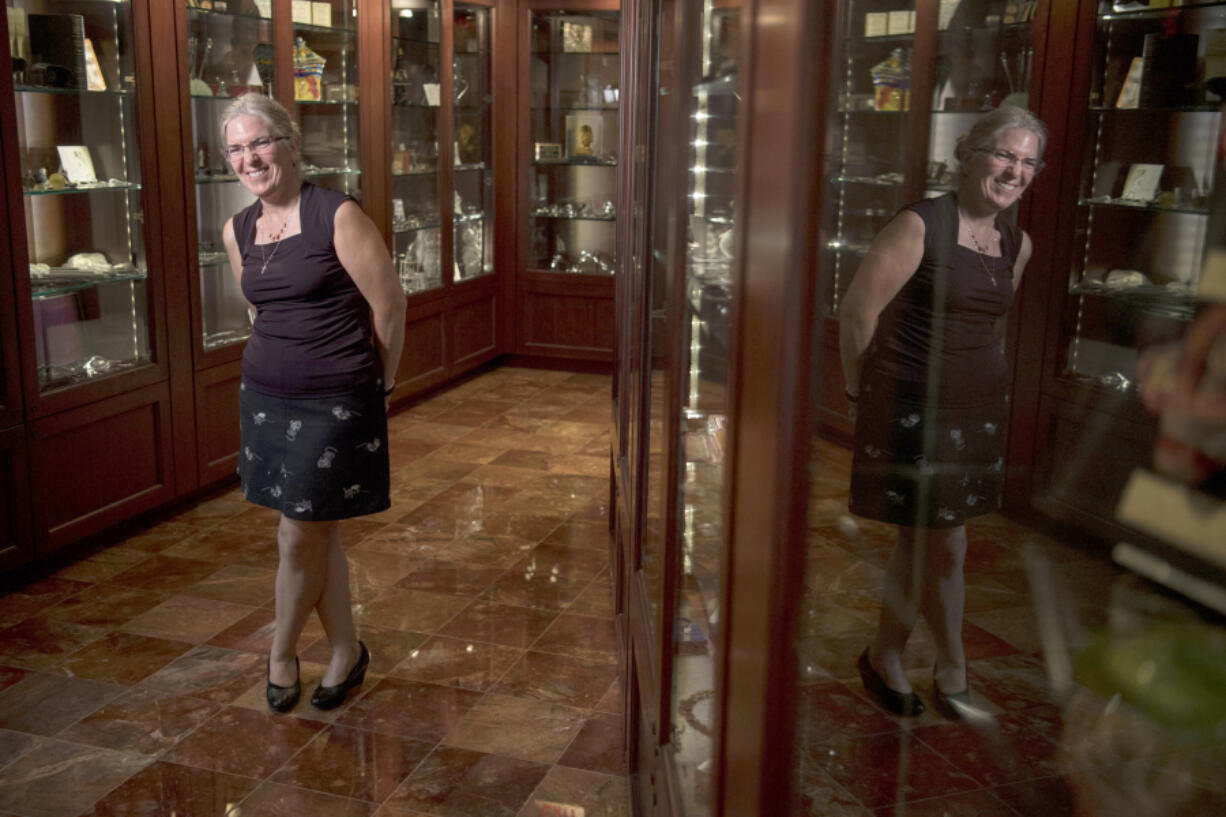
98, 465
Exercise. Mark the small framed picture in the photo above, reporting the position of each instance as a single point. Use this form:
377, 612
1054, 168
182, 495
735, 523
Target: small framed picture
398, 214
77, 164
583, 135
1142, 182
576, 38
547, 152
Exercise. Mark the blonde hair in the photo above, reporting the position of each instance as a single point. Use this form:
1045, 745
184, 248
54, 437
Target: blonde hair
983, 133
262, 107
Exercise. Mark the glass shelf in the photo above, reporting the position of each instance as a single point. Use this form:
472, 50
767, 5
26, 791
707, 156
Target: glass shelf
1144, 205
330, 171
1204, 108
574, 218
574, 162
559, 53
608, 108
215, 179
860, 39
232, 15
68, 281
68, 191
1150, 299
346, 102
308, 27
401, 229
82, 92
869, 180
1157, 13
468, 168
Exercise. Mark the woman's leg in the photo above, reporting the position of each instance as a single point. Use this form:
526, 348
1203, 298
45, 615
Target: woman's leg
943, 602
336, 613
302, 571
899, 609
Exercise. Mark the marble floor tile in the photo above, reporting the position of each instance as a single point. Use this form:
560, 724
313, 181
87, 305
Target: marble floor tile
254, 632
268, 742
231, 542
169, 790
879, 770
565, 679
410, 709
816, 794
164, 573
598, 795
508, 726
160, 537
21, 603
122, 658
57, 778
596, 601
473, 665
1006, 751
600, 746
43, 704
585, 535
40, 643
184, 618
410, 610
388, 647
102, 565
979, 803
212, 673
239, 584
15, 744
454, 782
374, 569
353, 763
831, 711
499, 624
611, 703
279, 800
142, 721
104, 606
450, 578
581, 636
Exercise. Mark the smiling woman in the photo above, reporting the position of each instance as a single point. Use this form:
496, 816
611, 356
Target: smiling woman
317, 374
924, 363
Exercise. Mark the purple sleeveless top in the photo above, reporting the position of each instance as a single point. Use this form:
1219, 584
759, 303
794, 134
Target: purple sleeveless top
312, 335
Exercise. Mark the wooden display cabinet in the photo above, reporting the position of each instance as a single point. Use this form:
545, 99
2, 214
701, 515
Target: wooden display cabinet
1134, 211
568, 133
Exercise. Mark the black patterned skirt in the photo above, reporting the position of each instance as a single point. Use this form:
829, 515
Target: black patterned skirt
315, 459
925, 466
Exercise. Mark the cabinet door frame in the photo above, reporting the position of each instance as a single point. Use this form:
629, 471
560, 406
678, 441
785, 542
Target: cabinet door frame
37, 403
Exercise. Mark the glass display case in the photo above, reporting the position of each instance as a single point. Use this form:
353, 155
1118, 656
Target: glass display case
474, 173
573, 98
416, 103
230, 53
710, 192
884, 148
78, 140
325, 66
1152, 131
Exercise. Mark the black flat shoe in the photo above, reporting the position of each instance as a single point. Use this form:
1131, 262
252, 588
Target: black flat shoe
951, 706
283, 699
904, 704
331, 697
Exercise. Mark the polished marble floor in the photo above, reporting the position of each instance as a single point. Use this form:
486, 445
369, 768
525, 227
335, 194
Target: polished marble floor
1041, 745
131, 682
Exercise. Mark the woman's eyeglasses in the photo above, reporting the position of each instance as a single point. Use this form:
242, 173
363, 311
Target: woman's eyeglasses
1008, 157
262, 146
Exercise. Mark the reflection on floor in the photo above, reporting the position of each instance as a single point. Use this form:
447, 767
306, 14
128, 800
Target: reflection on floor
132, 682
1035, 756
